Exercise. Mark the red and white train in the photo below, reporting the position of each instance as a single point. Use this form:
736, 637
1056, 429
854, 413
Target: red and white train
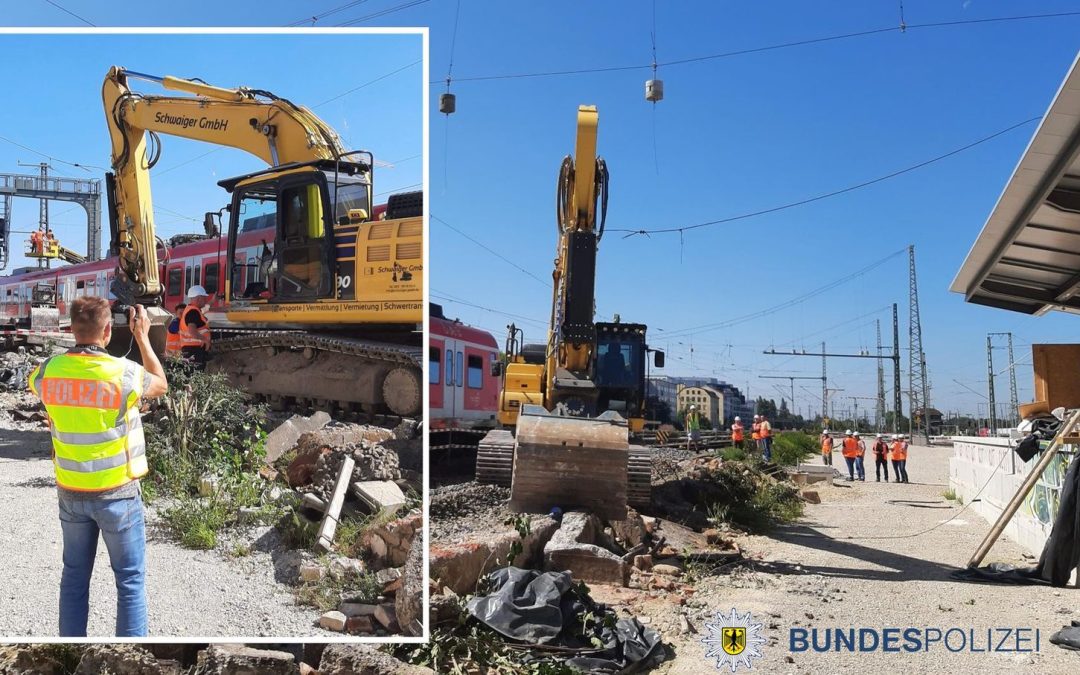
463, 393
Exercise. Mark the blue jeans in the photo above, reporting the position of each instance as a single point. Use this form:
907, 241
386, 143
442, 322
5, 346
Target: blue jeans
766, 447
121, 524
859, 468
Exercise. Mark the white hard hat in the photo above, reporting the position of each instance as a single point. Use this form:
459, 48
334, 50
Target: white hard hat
693, 407
848, 432
880, 436
738, 419
856, 434
196, 291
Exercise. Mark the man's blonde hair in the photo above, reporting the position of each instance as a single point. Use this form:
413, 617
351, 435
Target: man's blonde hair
89, 316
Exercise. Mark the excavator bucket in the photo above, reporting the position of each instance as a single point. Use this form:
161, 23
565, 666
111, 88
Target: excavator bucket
122, 343
570, 462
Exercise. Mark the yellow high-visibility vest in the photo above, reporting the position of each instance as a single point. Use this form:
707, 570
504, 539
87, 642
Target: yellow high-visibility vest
91, 399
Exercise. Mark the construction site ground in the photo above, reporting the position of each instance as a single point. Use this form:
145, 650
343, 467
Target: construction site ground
809, 575
848, 562
190, 593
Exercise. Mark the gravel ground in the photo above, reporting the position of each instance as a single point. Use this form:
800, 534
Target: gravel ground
190, 593
458, 512
808, 575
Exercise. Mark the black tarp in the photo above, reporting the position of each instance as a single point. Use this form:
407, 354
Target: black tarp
1068, 637
1060, 554
549, 609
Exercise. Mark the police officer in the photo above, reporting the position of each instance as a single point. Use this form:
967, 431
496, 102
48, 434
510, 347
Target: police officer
92, 401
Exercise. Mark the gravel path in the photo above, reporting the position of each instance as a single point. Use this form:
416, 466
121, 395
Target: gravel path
191, 593
809, 575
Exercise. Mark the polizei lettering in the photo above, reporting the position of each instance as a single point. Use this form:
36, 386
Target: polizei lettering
185, 122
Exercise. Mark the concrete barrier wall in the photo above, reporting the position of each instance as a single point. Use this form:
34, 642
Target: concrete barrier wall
991, 462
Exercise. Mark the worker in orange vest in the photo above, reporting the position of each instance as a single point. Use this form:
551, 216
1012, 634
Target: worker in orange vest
826, 448
851, 452
881, 457
860, 467
755, 432
765, 431
172, 335
899, 458
194, 328
737, 433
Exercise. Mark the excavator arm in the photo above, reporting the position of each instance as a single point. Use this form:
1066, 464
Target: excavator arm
582, 180
256, 121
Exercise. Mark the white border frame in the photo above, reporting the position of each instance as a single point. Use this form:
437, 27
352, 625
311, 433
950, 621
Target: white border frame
425, 101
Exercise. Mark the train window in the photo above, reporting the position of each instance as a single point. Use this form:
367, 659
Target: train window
176, 278
210, 279
434, 367
459, 374
198, 274
187, 277
80, 284
450, 367
476, 372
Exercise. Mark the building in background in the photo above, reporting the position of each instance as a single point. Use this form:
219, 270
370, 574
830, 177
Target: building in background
731, 401
709, 403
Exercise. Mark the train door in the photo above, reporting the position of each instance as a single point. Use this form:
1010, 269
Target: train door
435, 377
174, 285
477, 390
211, 275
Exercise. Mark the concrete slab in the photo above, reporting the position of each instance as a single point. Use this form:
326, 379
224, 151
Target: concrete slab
379, 495
284, 438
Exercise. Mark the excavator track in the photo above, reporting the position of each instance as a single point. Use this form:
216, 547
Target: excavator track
327, 372
495, 458
639, 477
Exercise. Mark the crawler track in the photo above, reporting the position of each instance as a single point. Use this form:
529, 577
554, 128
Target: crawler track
342, 375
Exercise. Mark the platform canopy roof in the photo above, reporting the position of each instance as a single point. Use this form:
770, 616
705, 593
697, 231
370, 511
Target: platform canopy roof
1027, 257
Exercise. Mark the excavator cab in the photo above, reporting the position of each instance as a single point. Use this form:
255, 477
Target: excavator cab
289, 214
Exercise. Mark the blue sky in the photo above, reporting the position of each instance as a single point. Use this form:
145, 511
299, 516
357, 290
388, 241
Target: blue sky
57, 111
733, 135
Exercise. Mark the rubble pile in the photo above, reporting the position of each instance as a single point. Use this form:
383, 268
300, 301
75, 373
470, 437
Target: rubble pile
213, 659
15, 368
352, 471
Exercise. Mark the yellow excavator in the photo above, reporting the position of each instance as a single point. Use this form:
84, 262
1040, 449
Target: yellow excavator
337, 321
573, 402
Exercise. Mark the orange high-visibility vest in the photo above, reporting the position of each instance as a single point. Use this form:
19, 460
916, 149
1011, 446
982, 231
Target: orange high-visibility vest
754, 433
826, 445
851, 447
764, 429
737, 432
202, 333
899, 450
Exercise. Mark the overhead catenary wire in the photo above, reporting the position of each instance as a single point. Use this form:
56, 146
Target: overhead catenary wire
389, 10
765, 48
329, 12
493, 252
68, 11
827, 195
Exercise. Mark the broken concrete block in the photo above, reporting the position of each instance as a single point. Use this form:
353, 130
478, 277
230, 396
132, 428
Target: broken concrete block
284, 438
579, 527
587, 562
668, 570
305, 669
799, 477
409, 598
334, 621
643, 562
268, 473
246, 515
381, 496
354, 659
102, 658
357, 609
342, 568
386, 615
311, 572
811, 496
232, 658
313, 501
387, 575
630, 532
